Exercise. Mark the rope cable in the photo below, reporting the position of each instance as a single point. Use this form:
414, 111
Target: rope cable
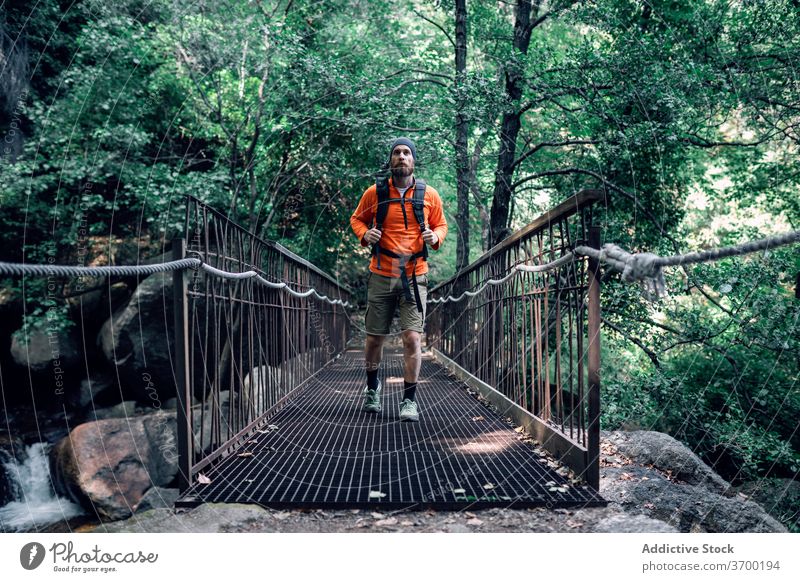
21, 269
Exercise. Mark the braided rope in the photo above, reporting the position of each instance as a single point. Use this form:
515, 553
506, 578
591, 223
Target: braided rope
646, 267
639, 267
559, 262
19, 269
271, 285
516, 269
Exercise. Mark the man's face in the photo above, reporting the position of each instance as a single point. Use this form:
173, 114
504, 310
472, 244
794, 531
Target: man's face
402, 161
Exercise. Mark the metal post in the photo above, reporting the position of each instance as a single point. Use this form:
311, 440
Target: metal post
593, 428
184, 393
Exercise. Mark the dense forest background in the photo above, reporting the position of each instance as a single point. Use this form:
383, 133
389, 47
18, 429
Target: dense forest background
686, 113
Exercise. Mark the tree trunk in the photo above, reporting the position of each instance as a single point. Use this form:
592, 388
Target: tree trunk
511, 123
462, 129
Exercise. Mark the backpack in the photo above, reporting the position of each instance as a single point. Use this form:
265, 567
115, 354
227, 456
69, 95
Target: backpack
418, 206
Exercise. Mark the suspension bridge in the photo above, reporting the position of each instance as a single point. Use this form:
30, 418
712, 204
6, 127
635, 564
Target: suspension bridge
270, 383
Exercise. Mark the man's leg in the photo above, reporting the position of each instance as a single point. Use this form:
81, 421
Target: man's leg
373, 348
412, 359
412, 323
373, 351
377, 321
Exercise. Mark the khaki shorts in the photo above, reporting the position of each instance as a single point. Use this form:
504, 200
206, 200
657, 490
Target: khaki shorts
383, 295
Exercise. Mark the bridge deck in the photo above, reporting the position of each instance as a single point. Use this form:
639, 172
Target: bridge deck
320, 450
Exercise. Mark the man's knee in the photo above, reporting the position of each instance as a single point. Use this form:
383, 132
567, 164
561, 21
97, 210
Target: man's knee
374, 341
412, 340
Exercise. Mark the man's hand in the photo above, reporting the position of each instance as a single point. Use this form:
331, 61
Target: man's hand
429, 236
372, 236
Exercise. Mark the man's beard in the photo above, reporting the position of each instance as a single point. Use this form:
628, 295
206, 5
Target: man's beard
402, 171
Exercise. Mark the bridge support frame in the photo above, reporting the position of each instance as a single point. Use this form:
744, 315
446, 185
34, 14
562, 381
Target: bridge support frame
593, 428
184, 396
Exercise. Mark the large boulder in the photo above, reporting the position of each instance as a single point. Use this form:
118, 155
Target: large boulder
652, 474
45, 351
139, 340
647, 447
108, 465
688, 508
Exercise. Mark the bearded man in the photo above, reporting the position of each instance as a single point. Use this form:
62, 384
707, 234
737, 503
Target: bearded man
399, 217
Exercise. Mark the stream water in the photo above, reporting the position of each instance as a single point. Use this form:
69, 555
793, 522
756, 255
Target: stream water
35, 503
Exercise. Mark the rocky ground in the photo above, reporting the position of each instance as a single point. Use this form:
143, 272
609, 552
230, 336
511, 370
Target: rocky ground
212, 518
652, 482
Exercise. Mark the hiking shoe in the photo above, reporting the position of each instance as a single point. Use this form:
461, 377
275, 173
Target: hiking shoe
372, 399
409, 411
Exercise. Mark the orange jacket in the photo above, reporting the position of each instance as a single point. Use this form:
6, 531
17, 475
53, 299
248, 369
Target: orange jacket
395, 237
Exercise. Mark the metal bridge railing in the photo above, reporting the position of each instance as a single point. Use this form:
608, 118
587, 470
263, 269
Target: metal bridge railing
534, 338
241, 345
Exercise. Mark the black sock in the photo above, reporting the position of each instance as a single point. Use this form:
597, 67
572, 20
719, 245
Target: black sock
372, 379
410, 390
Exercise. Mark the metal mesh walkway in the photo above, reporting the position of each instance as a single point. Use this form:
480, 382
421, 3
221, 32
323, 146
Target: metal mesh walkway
320, 450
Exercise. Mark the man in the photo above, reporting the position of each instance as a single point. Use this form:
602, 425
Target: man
398, 267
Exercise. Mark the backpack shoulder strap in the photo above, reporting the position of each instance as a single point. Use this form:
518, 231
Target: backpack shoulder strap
382, 190
418, 203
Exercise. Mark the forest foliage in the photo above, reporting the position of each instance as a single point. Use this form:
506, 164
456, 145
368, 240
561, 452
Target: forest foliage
686, 113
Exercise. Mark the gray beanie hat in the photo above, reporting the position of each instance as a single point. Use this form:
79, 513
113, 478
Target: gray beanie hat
406, 142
